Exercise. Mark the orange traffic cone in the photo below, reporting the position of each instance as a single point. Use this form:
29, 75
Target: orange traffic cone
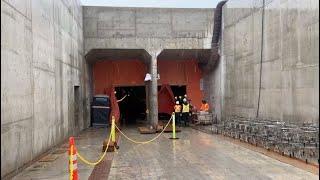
73, 167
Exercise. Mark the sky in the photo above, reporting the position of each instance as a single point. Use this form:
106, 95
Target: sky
153, 3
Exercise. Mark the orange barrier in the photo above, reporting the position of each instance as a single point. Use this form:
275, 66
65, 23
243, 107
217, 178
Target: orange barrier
73, 167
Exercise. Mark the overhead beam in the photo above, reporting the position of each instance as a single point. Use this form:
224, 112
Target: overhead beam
95, 55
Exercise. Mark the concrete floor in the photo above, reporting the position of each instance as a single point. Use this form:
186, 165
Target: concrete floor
89, 145
195, 155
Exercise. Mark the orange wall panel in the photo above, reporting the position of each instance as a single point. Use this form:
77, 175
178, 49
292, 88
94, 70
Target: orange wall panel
177, 72
118, 73
108, 74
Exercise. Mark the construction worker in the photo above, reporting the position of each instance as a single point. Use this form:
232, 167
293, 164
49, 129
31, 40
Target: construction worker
189, 101
186, 97
177, 112
185, 112
204, 106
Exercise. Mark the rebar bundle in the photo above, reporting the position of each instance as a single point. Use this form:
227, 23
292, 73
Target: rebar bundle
299, 141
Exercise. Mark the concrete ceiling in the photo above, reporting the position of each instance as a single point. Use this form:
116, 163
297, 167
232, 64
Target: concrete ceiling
201, 55
95, 55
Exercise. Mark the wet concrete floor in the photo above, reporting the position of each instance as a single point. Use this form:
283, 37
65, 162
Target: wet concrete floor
88, 144
196, 155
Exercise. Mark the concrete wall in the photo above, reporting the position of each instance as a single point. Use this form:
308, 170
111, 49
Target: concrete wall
41, 62
152, 29
290, 60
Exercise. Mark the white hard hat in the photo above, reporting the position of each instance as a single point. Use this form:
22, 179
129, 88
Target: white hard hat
177, 102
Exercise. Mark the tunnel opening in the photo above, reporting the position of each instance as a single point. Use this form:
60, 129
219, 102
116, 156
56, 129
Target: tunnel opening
179, 90
133, 106
178, 70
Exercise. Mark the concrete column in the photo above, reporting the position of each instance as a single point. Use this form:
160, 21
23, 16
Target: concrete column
147, 101
153, 91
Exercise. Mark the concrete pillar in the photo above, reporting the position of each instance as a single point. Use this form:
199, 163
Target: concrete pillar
147, 101
153, 91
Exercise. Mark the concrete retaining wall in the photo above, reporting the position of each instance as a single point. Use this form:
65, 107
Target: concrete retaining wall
290, 62
41, 62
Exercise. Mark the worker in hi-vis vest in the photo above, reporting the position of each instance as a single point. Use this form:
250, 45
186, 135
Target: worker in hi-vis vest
185, 112
177, 112
204, 106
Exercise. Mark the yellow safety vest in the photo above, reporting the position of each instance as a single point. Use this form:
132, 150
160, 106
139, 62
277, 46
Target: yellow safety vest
185, 108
